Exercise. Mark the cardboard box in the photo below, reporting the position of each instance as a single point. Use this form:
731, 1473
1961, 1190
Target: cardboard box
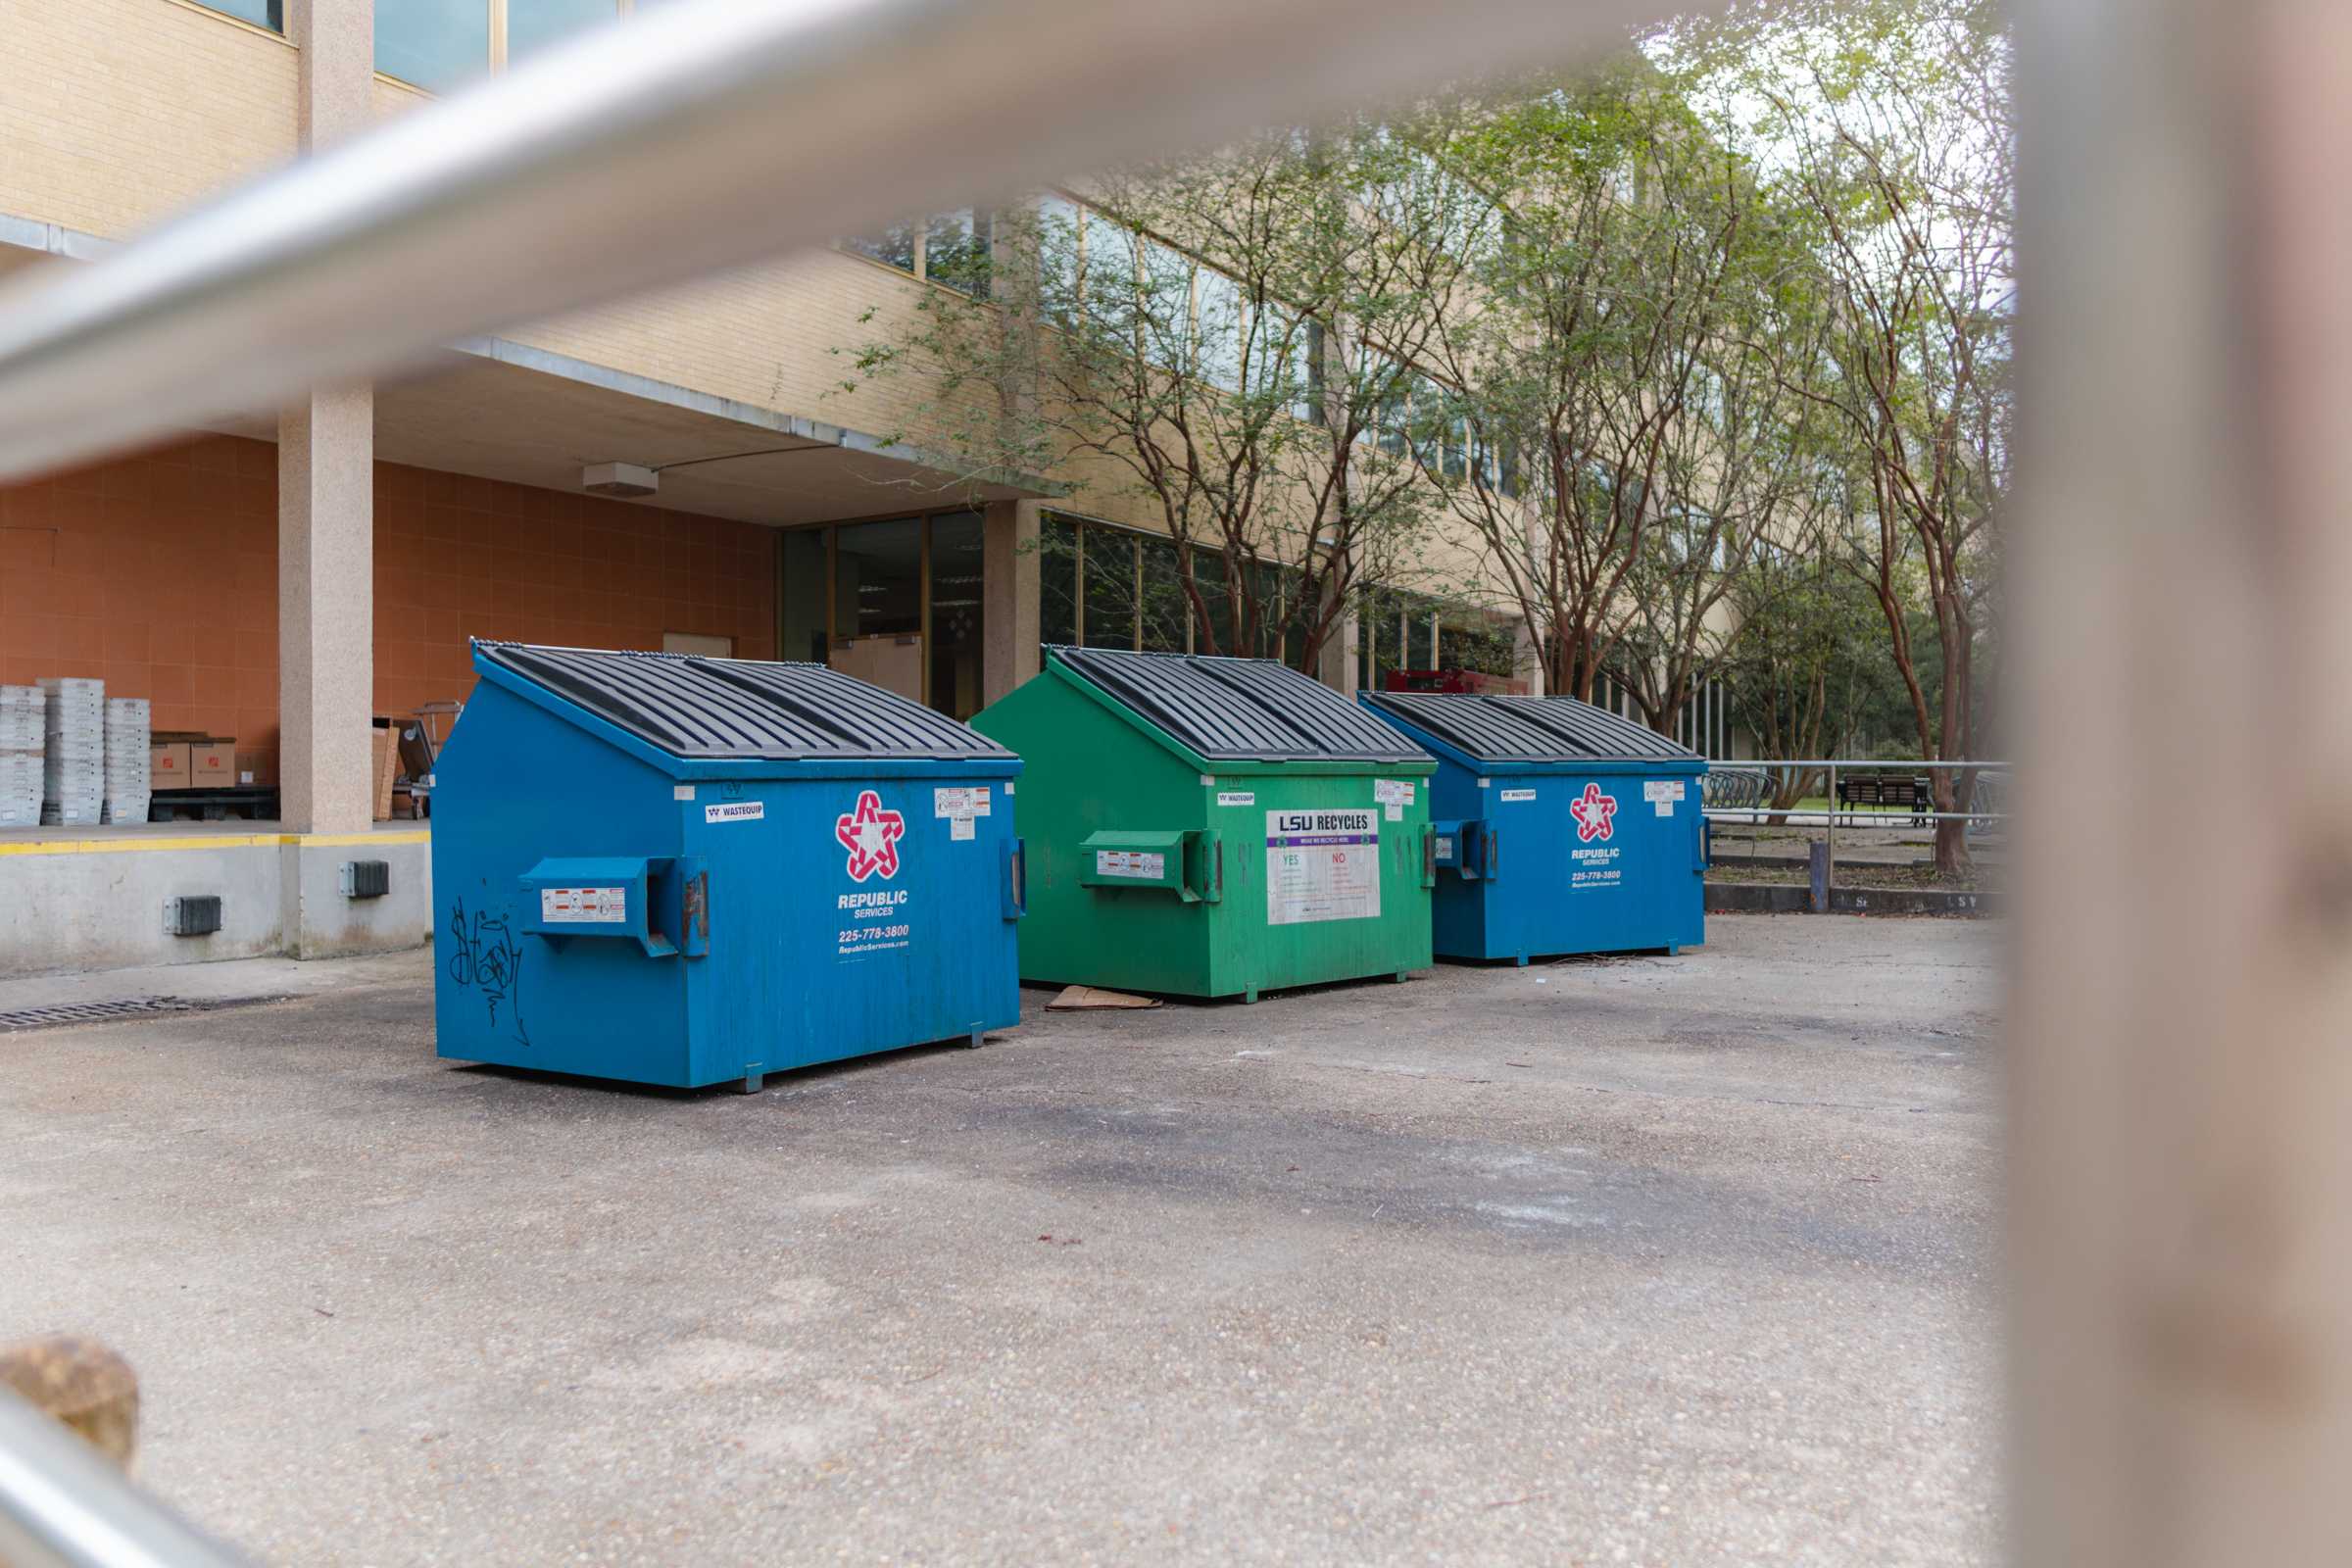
169, 766
213, 764
386, 758
257, 769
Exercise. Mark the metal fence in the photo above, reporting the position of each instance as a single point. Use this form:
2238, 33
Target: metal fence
1743, 792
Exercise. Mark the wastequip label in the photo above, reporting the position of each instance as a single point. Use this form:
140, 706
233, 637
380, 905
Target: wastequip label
1322, 865
735, 812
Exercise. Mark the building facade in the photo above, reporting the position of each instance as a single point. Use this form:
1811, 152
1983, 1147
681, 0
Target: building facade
279, 580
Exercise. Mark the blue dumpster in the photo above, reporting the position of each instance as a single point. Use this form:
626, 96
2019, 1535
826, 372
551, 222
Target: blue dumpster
685, 871
1560, 828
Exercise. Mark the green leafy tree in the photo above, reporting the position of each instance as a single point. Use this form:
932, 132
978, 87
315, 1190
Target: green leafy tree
1889, 126
1614, 371
1217, 340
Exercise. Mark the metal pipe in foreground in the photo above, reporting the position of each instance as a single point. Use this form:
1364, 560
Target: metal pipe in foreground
684, 140
64, 1505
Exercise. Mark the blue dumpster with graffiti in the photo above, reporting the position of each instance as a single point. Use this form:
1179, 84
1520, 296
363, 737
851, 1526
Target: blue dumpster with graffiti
1560, 827
686, 871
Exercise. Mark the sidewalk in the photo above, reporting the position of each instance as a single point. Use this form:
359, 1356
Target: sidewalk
232, 979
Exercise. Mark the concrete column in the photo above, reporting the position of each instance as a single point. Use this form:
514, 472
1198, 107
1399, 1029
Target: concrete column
1527, 657
1009, 596
327, 610
325, 496
1340, 666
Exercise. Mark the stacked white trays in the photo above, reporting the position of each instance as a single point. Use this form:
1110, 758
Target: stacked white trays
23, 727
73, 753
127, 739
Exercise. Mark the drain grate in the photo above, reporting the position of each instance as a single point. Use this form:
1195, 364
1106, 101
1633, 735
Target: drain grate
74, 1012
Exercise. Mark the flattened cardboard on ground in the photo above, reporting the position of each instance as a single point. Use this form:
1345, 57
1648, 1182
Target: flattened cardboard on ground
1079, 999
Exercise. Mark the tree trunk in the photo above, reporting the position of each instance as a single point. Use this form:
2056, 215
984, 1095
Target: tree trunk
1952, 855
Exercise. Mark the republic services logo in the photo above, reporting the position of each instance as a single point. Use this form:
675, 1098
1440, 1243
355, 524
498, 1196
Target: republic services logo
872, 836
1594, 814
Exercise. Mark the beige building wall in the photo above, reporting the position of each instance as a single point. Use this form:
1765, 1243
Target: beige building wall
122, 112
781, 335
118, 113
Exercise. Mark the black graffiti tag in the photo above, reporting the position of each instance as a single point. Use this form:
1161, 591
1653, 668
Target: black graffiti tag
484, 956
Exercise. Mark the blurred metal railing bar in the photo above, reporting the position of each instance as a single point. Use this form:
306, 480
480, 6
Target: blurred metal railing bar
63, 1504
685, 140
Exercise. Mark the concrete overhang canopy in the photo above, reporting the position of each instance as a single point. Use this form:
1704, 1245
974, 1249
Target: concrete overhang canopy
496, 409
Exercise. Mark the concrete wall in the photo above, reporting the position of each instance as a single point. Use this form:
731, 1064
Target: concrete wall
97, 903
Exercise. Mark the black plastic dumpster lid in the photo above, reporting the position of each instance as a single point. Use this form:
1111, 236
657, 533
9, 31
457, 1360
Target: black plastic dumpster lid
697, 707
1241, 710
1529, 729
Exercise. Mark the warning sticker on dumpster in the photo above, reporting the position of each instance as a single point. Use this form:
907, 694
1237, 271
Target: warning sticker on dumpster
584, 905
1662, 793
1392, 792
954, 802
735, 812
1322, 865
1142, 865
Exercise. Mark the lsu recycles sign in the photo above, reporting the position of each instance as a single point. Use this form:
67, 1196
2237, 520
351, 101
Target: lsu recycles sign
1322, 865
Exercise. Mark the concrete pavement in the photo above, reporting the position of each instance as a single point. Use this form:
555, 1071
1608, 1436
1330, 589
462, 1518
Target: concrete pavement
1646, 1261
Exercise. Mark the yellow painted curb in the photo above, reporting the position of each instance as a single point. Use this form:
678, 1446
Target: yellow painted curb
210, 841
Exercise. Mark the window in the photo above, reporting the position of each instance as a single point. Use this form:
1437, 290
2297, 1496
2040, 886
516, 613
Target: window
1392, 415
800, 602
1057, 583
948, 248
1060, 256
1165, 613
533, 24
438, 44
433, 44
1217, 333
1376, 630
956, 248
1110, 559
877, 589
896, 246
1164, 305
271, 14
1208, 575
1471, 641
955, 648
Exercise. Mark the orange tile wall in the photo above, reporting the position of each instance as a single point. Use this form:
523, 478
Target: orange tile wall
159, 574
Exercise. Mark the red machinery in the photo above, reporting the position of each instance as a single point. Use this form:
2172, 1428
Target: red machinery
1469, 682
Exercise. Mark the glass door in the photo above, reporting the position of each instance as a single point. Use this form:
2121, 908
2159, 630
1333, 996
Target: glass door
878, 604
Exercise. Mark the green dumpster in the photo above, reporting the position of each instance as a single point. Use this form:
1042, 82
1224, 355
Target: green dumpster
1213, 827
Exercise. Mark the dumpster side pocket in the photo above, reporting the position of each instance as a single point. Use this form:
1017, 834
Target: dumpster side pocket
1016, 879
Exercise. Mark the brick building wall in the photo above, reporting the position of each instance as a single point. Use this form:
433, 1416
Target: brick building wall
159, 574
